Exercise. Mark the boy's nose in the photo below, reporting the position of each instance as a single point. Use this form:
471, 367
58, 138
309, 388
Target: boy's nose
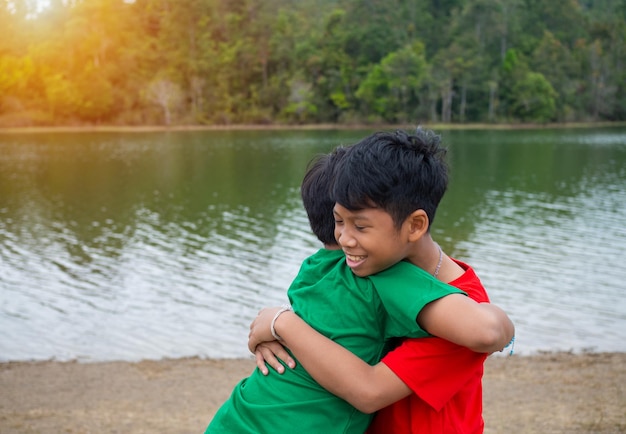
345, 239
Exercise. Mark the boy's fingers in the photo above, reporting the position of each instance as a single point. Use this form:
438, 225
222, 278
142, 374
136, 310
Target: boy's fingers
267, 355
268, 352
283, 355
279, 352
260, 362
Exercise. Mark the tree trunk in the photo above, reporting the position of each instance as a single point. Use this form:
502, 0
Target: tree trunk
446, 102
492, 100
463, 102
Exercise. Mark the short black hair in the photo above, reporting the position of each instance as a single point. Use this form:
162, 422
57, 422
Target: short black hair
394, 171
316, 194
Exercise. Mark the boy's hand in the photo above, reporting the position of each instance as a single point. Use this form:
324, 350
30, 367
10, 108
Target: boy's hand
260, 328
270, 352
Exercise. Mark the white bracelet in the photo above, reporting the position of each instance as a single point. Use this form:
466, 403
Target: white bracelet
283, 308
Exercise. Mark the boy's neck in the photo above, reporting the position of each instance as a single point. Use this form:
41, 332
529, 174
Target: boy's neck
429, 257
425, 254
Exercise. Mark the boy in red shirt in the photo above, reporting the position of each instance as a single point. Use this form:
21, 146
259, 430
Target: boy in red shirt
445, 381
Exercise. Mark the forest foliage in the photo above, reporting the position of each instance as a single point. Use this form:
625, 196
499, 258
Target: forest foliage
225, 62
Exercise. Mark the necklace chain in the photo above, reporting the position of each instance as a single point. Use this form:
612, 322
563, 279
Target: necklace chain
436, 273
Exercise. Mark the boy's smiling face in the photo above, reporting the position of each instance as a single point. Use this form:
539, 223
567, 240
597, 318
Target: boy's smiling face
369, 239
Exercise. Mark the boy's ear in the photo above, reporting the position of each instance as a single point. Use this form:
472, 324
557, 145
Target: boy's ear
418, 224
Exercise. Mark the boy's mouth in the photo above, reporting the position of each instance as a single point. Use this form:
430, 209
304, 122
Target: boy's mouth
354, 260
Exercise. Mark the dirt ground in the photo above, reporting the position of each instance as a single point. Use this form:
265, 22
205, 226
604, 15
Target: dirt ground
546, 393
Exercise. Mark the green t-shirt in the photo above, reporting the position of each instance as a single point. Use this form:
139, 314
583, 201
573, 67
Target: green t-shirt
357, 313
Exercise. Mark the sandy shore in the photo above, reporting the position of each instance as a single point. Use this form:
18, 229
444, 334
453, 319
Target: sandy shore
547, 393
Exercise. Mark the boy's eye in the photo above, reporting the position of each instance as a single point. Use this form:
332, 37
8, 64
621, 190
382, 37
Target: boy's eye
359, 228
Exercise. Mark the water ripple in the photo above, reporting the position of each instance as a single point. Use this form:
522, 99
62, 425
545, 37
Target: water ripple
125, 249
556, 266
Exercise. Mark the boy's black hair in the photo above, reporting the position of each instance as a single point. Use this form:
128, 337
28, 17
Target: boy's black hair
316, 194
393, 171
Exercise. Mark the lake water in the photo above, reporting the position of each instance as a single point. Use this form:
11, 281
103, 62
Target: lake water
129, 246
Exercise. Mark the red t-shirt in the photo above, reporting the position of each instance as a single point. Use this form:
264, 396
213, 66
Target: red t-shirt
446, 380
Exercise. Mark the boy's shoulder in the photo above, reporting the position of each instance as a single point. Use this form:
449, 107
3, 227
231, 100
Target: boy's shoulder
321, 264
405, 276
470, 283
323, 256
327, 268
400, 269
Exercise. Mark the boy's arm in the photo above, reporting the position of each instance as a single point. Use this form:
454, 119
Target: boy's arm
368, 388
481, 327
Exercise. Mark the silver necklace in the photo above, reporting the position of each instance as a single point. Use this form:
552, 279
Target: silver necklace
438, 263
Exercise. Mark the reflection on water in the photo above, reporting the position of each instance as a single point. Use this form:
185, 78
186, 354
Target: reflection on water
132, 246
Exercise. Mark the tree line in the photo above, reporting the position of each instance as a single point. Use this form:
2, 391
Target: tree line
208, 62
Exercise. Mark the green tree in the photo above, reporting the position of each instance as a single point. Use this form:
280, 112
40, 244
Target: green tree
61, 95
563, 18
514, 68
391, 88
330, 70
236, 61
15, 73
601, 91
554, 61
374, 28
300, 108
453, 74
534, 98
95, 96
